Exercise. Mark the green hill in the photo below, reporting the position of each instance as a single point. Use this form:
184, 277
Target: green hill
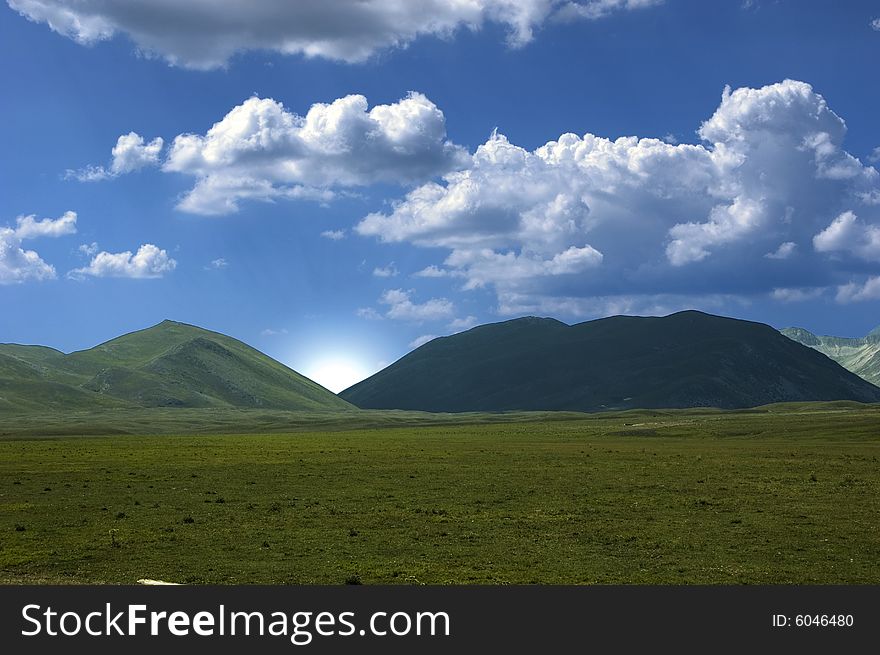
860, 355
689, 359
168, 365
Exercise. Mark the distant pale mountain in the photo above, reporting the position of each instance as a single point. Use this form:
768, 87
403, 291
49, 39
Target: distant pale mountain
689, 359
860, 355
168, 365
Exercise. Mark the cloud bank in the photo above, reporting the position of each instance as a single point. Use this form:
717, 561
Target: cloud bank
769, 199
203, 35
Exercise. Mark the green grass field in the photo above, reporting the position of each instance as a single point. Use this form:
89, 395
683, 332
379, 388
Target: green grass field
785, 494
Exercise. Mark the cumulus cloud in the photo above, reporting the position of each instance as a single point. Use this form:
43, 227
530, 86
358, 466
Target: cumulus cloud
847, 233
148, 262
204, 35
401, 307
262, 151
584, 217
131, 153
19, 265
386, 271
369, 314
858, 292
28, 227
486, 266
784, 251
89, 249
796, 294
333, 235
875, 24
217, 264
435, 271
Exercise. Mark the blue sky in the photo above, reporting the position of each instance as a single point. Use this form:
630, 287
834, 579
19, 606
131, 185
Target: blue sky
333, 184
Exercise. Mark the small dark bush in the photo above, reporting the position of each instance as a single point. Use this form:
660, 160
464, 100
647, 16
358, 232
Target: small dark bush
353, 579
189, 519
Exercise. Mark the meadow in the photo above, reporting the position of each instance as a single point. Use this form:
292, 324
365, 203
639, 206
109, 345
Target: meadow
782, 494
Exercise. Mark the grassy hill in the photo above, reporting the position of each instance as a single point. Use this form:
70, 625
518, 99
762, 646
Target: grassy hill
168, 365
860, 355
688, 359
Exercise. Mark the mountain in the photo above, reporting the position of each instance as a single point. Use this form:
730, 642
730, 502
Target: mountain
168, 365
860, 355
688, 359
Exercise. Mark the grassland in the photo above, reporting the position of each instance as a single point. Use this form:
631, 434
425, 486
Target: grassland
785, 494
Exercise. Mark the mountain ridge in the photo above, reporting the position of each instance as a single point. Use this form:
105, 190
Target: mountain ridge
861, 355
686, 359
169, 364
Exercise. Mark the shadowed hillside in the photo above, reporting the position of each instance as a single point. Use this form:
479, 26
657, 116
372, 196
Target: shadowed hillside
167, 365
689, 359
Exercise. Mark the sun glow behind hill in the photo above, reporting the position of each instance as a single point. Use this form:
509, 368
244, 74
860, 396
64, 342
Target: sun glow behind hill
337, 372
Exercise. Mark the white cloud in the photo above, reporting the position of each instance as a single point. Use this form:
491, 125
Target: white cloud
486, 266
435, 271
216, 195
19, 265
784, 251
875, 24
205, 35
693, 242
148, 262
401, 307
671, 139
130, 154
28, 227
847, 233
386, 271
512, 304
859, 292
797, 294
594, 9
463, 323
333, 235
874, 157
217, 264
89, 249
261, 151
88, 174
369, 313
422, 340
585, 217
269, 332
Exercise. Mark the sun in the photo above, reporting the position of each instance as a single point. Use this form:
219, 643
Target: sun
336, 374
